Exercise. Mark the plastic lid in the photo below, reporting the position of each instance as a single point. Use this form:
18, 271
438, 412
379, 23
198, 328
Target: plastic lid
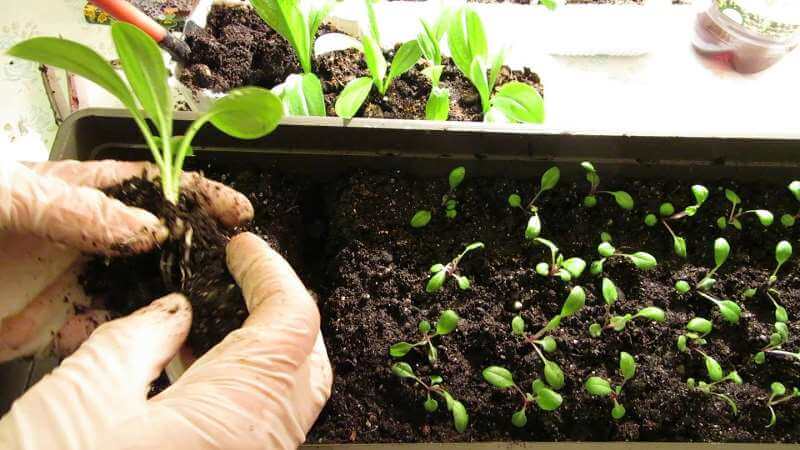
775, 19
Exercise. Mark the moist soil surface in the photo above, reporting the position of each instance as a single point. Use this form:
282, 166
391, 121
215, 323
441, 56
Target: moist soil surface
238, 49
350, 241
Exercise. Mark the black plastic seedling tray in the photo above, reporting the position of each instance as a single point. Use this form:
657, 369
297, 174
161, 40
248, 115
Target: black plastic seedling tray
327, 147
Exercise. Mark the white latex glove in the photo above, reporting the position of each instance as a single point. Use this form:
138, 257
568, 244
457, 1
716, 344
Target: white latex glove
260, 388
57, 202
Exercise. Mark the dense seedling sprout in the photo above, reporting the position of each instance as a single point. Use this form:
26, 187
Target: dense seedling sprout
548, 181
783, 251
456, 408
447, 323
623, 199
730, 310
542, 343
788, 220
779, 394
441, 271
696, 331
438, 105
541, 395
566, 269
776, 340
737, 211
618, 323
600, 387
667, 214
422, 217
642, 260
717, 377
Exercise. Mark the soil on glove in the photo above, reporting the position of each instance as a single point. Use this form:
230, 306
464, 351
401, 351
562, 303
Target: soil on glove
350, 241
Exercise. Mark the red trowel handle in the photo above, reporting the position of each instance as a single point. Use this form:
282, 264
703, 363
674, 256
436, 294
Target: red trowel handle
126, 12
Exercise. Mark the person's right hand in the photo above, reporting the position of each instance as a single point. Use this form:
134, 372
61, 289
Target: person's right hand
262, 387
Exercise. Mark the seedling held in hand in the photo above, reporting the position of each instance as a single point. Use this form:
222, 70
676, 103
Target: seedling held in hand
441, 271
734, 218
668, 214
549, 180
730, 310
566, 269
717, 376
600, 387
456, 408
788, 220
779, 394
623, 199
541, 395
422, 217
618, 323
447, 323
246, 113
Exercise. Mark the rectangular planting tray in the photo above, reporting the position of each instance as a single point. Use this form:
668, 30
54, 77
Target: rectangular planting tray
323, 148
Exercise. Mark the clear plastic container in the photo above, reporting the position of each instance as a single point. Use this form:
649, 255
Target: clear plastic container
750, 35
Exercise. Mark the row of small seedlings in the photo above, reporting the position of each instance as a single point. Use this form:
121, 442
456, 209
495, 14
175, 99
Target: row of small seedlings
543, 391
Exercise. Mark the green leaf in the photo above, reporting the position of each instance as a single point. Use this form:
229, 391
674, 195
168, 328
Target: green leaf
549, 178
777, 388
722, 223
772, 417
520, 102
543, 269
473, 246
143, 65
407, 55
431, 405
794, 188
598, 386
642, 260
623, 199
732, 197
618, 411
315, 18
403, 370
730, 310
438, 106
400, 349
460, 416
627, 365
553, 375
436, 379
514, 201
466, 39
517, 325
588, 167
424, 327
436, 268
574, 302
730, 402
436, 282
574, 266
373, 20
287, 19
352, 97
682, 343
420, 218
666, 209
553, 324
456, 177
519, 419
679, 246
721, 251
548, 344
788, 220
682, 287
700, 193
497, 66
713, 368
765, 217
376, 62
246, 113
477, 74
463, 282
548, 400
533, 228
610, 294
653, 313
606, 250
700, 325
619, 322
760, 358
302, 95
706, 283
433, 353
650, 220
590, 201
783, 251
77, 59
499, 377
428, 45
605, 237
448, 321
595, 330
781, 315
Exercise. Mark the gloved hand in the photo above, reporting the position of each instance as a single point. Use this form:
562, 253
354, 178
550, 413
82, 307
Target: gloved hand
58, 202
260, 388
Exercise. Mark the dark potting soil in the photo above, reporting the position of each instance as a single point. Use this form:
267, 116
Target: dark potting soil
350, 240
237, 49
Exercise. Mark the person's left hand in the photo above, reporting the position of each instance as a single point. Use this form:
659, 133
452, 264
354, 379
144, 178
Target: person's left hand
50, 215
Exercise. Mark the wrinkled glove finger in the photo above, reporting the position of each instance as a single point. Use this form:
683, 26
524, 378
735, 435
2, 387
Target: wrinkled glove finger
81, 217
225, 204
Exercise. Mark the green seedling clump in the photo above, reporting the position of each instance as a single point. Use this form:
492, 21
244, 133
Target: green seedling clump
779, 394
548, 181
438, 105
728, 309
541, 395
734, 218
788, 220
618, 323
441, 271
623, 199
422, 217
667, 214
600, 387
642, 260
696, 331
566, 269
447, 323
777, 339
455, 407
717, 376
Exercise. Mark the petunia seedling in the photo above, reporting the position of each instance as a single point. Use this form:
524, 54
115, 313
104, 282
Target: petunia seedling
696, 331
642, 260
728, 309
566, 269
441, 271
667, 215
618, 323
737, 212
456, 408
543, 343
779, 394
447, 323
548, 181
541, 394
449, 204
783, 251
788, 220
776, 340
601, 387
623, 199
717, 377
